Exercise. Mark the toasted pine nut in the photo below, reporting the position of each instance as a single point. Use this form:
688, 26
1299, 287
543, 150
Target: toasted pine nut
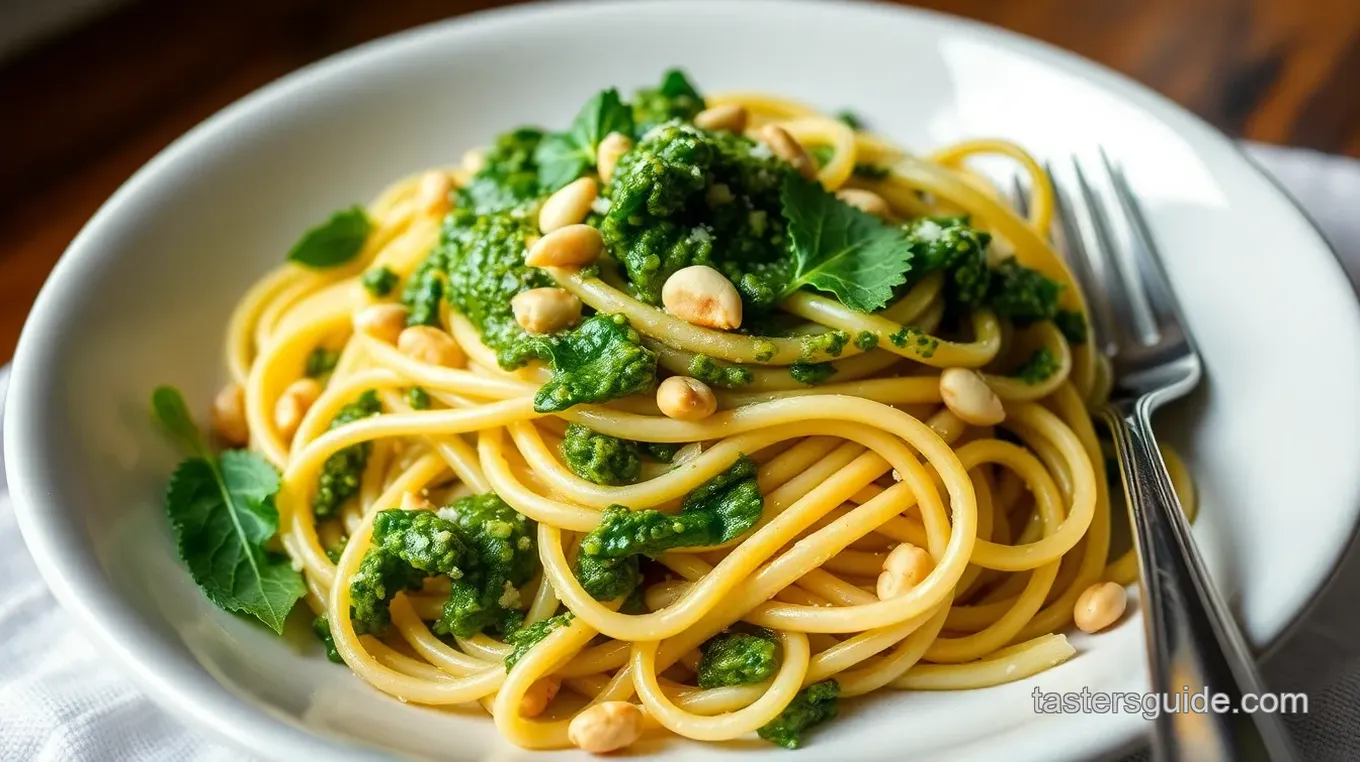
1099, 606
432, 196
569, 205
686, 399
605, 727
571, 246
293, 405
383, 322
539, 696
785, 147
729, 116
413, 502
607, 155
430, 345
968, 396
700, 295
864, 200
474, 161
545, 310
229, 415
904, 568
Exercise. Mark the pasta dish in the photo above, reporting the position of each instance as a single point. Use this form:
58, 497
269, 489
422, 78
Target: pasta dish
696, 417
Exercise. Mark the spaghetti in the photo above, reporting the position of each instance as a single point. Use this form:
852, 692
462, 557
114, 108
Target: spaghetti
870, 477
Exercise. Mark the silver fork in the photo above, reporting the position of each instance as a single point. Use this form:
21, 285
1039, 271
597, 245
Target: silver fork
1193, 642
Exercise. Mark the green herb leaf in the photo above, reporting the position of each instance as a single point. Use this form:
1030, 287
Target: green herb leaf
222, 513
167, 405
842, 250
333, 242
565, 156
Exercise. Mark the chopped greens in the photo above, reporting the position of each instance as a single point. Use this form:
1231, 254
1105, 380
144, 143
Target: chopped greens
530, 635
600, 458
735, 657
600, 360
813, 705
1040, 366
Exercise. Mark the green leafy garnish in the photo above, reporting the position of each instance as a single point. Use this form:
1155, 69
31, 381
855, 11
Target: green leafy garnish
333, 242
565, 156
850, 118
841, 249
222, 512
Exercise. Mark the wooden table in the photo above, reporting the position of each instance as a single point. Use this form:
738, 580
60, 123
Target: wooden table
82, 113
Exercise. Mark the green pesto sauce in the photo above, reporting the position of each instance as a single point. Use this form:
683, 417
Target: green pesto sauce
719, 373
484, 260
674, 98
600, 458
340, 474
910, 336
1040, 366
379, 281
866, 340
812, 374
685, 197
830, 343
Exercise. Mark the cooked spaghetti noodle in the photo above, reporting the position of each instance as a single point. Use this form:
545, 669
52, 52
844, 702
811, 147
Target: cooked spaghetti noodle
1007, 523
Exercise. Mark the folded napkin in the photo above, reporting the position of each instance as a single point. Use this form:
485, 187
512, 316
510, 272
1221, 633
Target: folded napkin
60, 700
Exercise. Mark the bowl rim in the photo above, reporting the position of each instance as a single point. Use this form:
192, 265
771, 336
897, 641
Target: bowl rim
81, 589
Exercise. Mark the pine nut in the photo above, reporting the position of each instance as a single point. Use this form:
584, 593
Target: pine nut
229, 415
785, 147
968, 396
904, 568
1099, 606
569, 205
539, 696
700, 295
383, 322
432, 195
474, 161
430, 345
610, 150
605, 727
864, 200
571, 246
293, 405
545, 310
729, 116
413, 502
686, 399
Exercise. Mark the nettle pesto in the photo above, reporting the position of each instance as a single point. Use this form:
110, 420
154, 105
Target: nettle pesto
685, 196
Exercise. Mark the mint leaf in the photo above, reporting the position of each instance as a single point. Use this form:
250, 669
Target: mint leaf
222, 513
565, 156
842, 250
333, 242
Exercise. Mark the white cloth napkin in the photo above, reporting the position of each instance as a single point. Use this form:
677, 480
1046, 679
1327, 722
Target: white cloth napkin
59, 700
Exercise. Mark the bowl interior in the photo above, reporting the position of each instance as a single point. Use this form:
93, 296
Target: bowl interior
143, 296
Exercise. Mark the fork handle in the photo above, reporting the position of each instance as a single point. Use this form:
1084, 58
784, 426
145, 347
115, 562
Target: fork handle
1193, 642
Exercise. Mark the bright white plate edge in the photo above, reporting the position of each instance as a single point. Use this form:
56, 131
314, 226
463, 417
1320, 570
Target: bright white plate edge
197, 698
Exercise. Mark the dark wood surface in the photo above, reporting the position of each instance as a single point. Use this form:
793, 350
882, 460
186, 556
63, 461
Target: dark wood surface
81, 113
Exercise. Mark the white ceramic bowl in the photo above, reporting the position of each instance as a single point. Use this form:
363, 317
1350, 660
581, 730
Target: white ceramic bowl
142, 296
